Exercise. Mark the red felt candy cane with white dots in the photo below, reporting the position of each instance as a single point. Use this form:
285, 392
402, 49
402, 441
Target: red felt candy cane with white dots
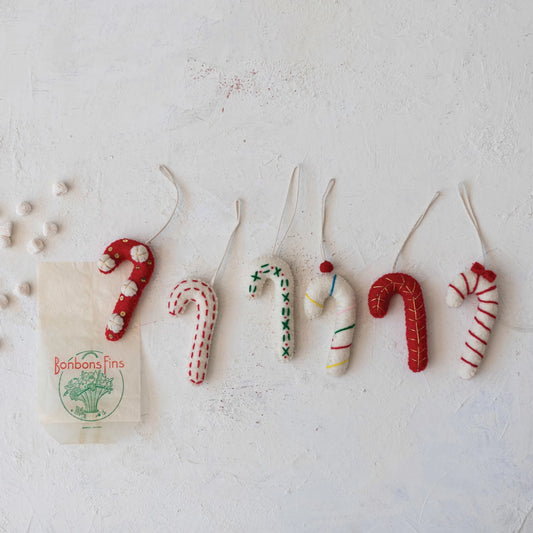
143, 266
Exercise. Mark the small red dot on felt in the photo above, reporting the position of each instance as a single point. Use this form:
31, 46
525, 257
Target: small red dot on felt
326, 266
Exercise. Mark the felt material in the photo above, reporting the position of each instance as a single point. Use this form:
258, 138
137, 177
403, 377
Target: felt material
480, 282
326, 266
24, 209
143, 266
318, 291
50, 229
59, 188
379, 298
35, 246
273, 268
205, 299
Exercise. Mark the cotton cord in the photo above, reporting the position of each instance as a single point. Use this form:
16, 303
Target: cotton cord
230, 240
170, 176
415, 227
465, 197
330, 185
277, 244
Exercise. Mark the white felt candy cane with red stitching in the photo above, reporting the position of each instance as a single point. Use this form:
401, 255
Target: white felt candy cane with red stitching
318, 291
143, 266
205, 298
480, 282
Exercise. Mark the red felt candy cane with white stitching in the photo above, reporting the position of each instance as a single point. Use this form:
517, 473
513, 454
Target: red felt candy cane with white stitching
143, 267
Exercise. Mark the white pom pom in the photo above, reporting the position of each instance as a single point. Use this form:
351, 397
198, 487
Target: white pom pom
129, 288
22, 289
4, 302
139, 253
115, 323
35, 246
6, 228
5, 242
60, 188
50, 229
24, 208
106, 263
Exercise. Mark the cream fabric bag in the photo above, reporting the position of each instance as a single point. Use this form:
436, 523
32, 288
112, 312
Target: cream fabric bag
89, 388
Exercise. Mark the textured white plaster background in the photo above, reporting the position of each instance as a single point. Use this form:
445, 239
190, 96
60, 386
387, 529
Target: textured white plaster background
393, 98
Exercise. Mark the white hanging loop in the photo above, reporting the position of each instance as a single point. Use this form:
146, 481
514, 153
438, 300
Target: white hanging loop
330, 185
230, 240
465, 197
415, 227
277, 244
170, 176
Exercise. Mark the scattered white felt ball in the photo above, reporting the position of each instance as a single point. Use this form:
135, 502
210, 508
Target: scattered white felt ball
6, 228
35, 246
129, 288
139, 253
115, 323
4, 302
106, 263
24, 208
60, 188
5, 242
50, 229
22, 289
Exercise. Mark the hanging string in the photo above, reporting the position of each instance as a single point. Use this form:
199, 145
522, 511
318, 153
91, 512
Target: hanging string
463, 193
170, 176
230, 240
331, 183
277, 244
415, 227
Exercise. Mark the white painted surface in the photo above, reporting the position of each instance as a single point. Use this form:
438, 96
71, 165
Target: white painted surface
395, 99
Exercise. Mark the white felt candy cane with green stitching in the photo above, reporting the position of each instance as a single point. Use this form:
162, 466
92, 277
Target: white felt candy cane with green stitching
279, 272
318, 291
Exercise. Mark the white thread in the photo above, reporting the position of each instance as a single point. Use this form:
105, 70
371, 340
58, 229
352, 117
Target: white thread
170, 176
277, 244
330, 185
60, 188
414, 228
230, 240
463, 194
24, 208
4, 301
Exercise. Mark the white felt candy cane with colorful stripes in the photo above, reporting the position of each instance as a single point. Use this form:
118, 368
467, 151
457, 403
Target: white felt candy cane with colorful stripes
279, 272
480, 282
204, 297
321, 288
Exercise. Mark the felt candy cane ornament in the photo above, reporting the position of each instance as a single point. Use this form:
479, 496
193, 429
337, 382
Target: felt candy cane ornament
203, 295
142, 258
383, 290
481, 282
276, 270
332, 285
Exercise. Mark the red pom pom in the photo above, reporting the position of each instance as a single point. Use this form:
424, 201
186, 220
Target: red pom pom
326, 266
